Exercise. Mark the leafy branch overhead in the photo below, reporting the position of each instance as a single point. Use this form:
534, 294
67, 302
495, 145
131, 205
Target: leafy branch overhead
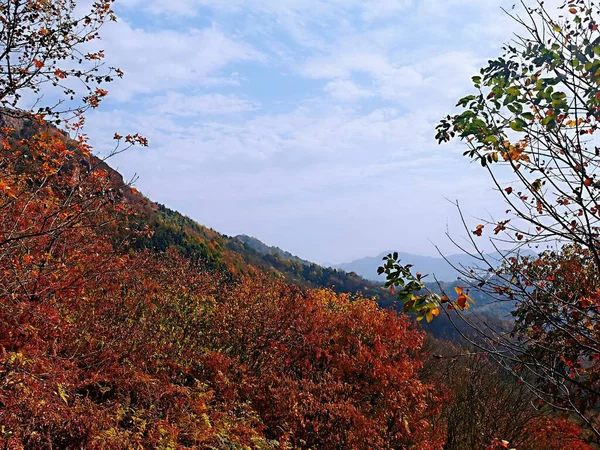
531, 122
415, 296
536, 110
46, 51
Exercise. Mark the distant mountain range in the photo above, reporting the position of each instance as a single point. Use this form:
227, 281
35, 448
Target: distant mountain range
442, 269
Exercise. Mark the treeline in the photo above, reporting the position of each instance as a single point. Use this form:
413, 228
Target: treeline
171, 229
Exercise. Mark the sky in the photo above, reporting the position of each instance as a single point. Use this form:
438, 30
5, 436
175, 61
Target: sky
308, 124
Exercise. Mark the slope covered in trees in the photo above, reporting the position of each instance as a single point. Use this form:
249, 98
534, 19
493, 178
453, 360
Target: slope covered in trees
103, 345
126, 325
106, 347
171, 229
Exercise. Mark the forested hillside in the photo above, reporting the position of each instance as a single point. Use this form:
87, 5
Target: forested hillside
239, 256
125, 325
110, 340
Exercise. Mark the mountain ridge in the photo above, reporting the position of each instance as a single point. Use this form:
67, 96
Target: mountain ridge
265, 249
442, 268
443, 271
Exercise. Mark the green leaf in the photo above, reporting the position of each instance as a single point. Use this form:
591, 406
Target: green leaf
546, 120
528, 116
518, 124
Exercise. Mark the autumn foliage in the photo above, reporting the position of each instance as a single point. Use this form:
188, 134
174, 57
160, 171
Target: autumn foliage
103, 347
110, 341
47, 53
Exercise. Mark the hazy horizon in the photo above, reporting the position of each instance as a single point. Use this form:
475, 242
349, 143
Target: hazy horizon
307, 124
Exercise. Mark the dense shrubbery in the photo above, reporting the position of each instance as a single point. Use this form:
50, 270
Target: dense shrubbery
102, 347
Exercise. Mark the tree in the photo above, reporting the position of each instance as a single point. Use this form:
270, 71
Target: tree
489, 408
532, 124
321, 370
45, 51
50, 183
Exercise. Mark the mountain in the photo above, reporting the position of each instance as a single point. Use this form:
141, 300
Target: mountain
127, 325
443, 269
367, 267
264, 249
159, 228
241, 254
244, 254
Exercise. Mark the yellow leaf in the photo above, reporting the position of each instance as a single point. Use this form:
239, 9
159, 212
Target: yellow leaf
62, 394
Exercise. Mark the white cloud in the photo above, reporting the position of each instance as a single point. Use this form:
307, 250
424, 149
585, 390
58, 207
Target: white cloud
383, 9
345, 62
190, 104
346, 91
161, 60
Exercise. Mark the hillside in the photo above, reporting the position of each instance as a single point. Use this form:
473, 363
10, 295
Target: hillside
159, 228
264, 249
246, 255
166, 228
109, 342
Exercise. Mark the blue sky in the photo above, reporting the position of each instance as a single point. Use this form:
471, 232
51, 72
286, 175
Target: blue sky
308, 124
